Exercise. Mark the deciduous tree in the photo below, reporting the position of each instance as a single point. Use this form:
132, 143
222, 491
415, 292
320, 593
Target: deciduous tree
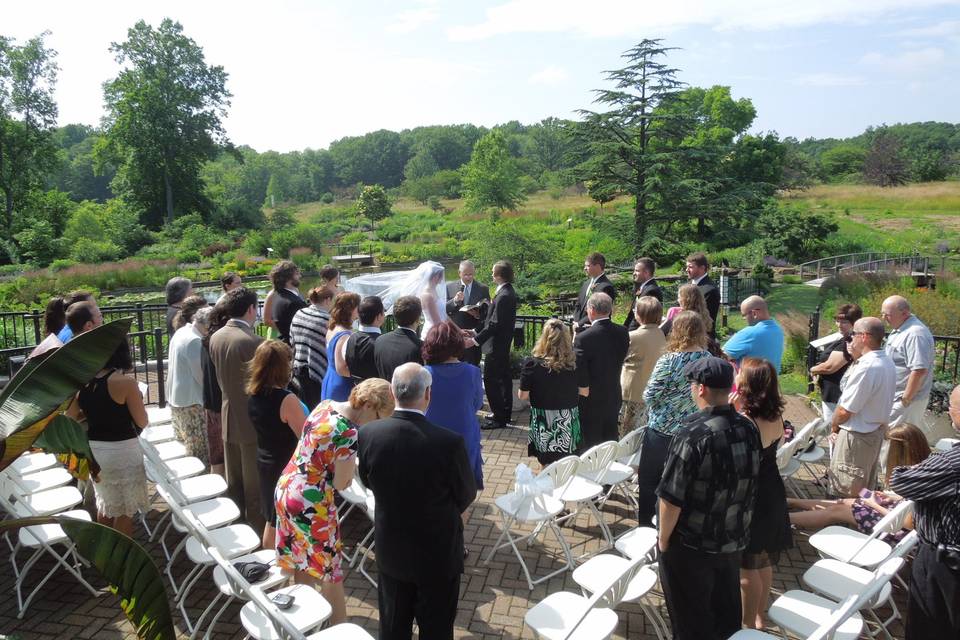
491, 180
884, 165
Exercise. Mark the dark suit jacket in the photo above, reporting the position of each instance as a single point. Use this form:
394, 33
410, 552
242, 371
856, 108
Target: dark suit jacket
463, 320
601, 349
602, 285
359, 355
285, 304
711, 293
422, 481
231, 348
497, 332
650, 288
394, 349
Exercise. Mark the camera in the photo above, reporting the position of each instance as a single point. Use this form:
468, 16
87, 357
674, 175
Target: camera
282, 600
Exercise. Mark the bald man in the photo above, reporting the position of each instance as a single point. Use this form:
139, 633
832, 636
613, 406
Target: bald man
862, 412
910, 346
762, 337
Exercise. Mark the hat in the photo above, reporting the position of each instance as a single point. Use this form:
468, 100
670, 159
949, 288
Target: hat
711, 372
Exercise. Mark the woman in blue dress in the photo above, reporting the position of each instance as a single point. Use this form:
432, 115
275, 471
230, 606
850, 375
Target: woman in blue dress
457, 391
337, 382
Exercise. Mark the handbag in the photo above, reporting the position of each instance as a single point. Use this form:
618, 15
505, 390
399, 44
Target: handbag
252, 571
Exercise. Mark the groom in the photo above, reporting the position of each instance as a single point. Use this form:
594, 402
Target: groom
466, 291
494, 341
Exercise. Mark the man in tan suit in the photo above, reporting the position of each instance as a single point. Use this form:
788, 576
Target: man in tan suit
231, 349
646, 345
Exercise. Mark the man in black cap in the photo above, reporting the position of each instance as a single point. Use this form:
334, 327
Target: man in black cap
706, 504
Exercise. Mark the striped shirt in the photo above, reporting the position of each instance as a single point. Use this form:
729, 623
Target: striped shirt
308, 335
934, 486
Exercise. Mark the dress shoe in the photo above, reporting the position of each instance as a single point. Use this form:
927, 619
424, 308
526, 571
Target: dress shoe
491, 424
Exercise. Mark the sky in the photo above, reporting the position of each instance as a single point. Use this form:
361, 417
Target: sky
304, 73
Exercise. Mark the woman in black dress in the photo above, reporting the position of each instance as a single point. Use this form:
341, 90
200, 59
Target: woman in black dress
550, 381
758, 397
834, 360
278, 418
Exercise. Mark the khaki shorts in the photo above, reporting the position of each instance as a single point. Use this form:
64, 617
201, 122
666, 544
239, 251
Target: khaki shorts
856, 459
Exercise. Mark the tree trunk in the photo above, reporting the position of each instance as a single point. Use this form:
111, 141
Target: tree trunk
168, 190
8, 213
640, 209
701, 227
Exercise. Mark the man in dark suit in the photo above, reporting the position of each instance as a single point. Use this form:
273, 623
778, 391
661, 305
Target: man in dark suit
494, 340
697, 270
466, 291
401, 345
285, 277
359, 349
422, 482
601, 349
643, 285
596, 282
231, 350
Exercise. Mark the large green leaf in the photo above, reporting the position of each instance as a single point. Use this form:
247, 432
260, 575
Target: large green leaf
64, 435
125, 565
39, 388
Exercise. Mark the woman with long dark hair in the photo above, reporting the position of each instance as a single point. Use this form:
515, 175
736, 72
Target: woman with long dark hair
337, 381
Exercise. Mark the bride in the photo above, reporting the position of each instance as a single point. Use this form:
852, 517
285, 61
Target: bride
425, 282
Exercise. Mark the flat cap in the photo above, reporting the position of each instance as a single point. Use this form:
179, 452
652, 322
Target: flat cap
711, 372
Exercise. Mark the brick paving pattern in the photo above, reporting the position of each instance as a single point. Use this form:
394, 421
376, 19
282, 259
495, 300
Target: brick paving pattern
494, 597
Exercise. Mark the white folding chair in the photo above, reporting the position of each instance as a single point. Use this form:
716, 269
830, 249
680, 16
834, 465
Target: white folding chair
157, 415
261, 619
599, 464
540, 511
801, 613
639, 542
809, 452
838, 581
945, 444
848, 545
343, 631
43, 480
593, 574
158, 433
628, 449
175, 469
33, 462
582, 492
274, 577
788, 465
825, 631
563, 614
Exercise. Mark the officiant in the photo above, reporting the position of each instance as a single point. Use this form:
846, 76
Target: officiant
467, 292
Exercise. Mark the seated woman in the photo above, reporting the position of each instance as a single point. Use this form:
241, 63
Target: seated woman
908, 446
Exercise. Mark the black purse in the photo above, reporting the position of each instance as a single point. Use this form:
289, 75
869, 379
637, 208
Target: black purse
252, 571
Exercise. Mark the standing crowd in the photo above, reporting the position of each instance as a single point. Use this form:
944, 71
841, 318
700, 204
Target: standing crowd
330, 400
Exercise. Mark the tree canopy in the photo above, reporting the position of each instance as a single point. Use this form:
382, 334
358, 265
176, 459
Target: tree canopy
491, 180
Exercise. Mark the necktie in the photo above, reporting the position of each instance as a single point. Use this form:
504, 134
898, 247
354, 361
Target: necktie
466, 293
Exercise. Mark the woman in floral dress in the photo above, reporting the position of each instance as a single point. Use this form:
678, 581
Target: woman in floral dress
308, 537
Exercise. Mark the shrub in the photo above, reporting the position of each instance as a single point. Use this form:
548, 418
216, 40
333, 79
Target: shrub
61, 264
92, 251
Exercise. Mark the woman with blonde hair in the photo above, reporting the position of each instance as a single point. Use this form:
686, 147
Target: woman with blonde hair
690, 298
277, 417
308, 533
550, 381
908, 446
668, 402
337, 381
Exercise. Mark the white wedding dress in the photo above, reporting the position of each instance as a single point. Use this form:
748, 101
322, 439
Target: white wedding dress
390, 285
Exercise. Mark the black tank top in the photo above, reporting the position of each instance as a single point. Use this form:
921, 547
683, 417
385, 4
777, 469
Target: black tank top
107, 421
275, 440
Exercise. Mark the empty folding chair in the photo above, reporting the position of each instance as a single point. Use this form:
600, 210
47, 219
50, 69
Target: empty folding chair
824, 632
261, 619
838, 581
158, 433
43, 480
33, 462
788, 465
344, 631
158, 415
848, 545
628, 449
582, 492
639, 542
801, 613
563, 614
599, 464
808, 451
593, 574
537, 510
174, 469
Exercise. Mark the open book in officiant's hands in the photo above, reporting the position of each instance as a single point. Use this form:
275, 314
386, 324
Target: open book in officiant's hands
475, 309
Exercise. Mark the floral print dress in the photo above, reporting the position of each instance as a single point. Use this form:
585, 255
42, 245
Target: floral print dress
308, 536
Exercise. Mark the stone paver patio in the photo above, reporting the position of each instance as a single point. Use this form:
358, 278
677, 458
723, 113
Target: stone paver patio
494, 597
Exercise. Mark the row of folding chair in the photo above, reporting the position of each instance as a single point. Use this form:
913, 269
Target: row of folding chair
359, 497
575, 482
801, 452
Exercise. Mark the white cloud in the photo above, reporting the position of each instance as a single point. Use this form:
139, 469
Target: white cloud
828, 80
412, 20
945, 29
615, 18
908, 62
551, 75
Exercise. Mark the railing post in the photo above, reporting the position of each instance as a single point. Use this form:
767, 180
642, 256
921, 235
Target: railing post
158, 351
140, 329
36, 326
813, 334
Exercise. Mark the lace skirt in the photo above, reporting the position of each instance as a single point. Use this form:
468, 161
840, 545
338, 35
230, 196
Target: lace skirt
190, 425
122, 487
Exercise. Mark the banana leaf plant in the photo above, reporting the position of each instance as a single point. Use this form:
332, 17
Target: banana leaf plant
30, 402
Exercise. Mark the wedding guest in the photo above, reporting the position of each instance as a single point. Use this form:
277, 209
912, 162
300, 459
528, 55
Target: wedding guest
308, 333
337, 381
185, 381
266, 314
82, 317
68, 301
330, 278
644, 284
54, 320
208, 320
910, 346
689, 298
231, 349
403, 344
457, 391
360, 345
862, 411
835, 360
668, 401
761, 338
698, 268
308, 529
277, 417
228, 282
596, 282
287, 300
494, 340
549, 380
758, 397
115, 415
646, 346
422, 482
465, 292
177, 290
600, 349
